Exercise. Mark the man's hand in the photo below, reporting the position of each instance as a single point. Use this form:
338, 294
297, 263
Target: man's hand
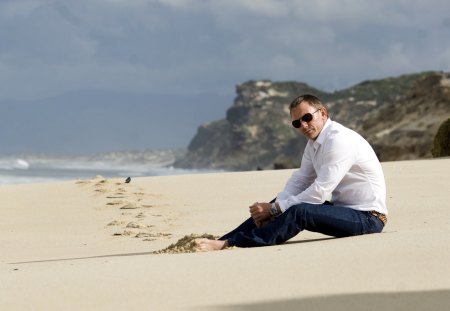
260, 213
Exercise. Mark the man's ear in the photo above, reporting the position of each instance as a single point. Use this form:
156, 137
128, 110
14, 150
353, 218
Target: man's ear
324, 112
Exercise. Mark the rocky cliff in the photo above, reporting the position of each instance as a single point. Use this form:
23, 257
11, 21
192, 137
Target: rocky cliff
399, 117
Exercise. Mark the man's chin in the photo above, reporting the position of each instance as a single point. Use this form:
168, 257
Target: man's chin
310, 135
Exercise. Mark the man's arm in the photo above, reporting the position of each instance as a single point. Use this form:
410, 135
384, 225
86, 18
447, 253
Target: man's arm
300, 179
338, 158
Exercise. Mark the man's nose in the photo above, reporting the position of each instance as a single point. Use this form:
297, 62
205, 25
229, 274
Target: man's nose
302, 124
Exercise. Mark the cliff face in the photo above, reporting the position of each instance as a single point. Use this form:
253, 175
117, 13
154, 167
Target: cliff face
255, 133
399, 116
406, 128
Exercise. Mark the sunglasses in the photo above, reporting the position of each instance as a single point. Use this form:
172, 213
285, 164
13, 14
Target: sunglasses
307, 117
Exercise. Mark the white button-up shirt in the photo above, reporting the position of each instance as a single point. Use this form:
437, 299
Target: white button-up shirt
339, 166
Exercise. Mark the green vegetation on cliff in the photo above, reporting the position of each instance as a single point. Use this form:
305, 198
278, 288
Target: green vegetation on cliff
441, 146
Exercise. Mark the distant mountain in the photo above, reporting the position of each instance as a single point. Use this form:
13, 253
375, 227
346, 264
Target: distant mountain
399, 116
96, 121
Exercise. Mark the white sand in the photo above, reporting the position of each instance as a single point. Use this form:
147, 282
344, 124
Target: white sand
73, 246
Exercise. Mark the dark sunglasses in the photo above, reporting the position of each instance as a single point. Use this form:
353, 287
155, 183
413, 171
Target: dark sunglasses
307, 117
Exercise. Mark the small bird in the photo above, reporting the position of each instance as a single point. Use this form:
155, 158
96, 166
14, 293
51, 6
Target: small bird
127, 180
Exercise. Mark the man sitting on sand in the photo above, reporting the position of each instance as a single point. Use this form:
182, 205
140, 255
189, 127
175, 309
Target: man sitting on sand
339, 189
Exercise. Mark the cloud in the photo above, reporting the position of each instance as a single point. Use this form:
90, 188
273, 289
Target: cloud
12, 9
53, 46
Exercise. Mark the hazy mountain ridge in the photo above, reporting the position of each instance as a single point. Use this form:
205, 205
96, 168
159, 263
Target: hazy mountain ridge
88, 122
398, 115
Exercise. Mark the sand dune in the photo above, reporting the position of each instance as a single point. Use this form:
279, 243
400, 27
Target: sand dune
99, 244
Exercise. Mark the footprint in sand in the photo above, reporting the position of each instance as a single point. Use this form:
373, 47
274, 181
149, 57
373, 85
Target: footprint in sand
125, 233
116, 223
141, 215
129, 206
136, 225
116, 196
154, 236
116, 202
82, 182
128, 198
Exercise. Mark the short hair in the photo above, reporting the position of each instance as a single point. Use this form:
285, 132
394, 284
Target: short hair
310, 99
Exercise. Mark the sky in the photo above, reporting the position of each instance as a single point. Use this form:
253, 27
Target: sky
49, 47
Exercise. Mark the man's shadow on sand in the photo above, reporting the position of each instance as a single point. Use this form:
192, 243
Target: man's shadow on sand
399, 301
152, 253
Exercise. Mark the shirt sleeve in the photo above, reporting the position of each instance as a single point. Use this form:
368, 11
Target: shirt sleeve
300, 180
338, 158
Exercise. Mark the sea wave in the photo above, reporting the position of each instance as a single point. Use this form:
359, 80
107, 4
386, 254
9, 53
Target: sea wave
36, 169
14, 164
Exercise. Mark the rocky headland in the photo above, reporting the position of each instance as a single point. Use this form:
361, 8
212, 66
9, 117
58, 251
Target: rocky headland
399, 116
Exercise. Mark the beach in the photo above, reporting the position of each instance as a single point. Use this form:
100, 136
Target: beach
98, 244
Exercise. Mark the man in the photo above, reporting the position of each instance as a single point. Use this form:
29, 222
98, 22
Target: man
339, 189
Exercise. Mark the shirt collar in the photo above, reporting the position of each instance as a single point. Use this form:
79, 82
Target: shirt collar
323, 133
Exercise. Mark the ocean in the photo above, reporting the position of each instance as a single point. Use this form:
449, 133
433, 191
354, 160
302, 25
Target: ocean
37, 169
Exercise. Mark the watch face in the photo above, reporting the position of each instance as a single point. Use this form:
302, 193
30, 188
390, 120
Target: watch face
273, 210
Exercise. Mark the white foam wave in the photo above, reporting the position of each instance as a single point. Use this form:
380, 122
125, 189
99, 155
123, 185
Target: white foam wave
39, 170
14, 164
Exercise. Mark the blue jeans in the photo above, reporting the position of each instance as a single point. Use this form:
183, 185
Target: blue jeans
323, 218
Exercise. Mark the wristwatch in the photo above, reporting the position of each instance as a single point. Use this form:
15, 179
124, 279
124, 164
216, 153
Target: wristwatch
273, 209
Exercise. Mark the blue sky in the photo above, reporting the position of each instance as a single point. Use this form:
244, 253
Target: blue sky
48, 47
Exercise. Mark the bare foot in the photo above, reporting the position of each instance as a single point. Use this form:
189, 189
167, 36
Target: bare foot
206, 245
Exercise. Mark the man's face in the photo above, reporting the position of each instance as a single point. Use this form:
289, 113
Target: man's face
312, 128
